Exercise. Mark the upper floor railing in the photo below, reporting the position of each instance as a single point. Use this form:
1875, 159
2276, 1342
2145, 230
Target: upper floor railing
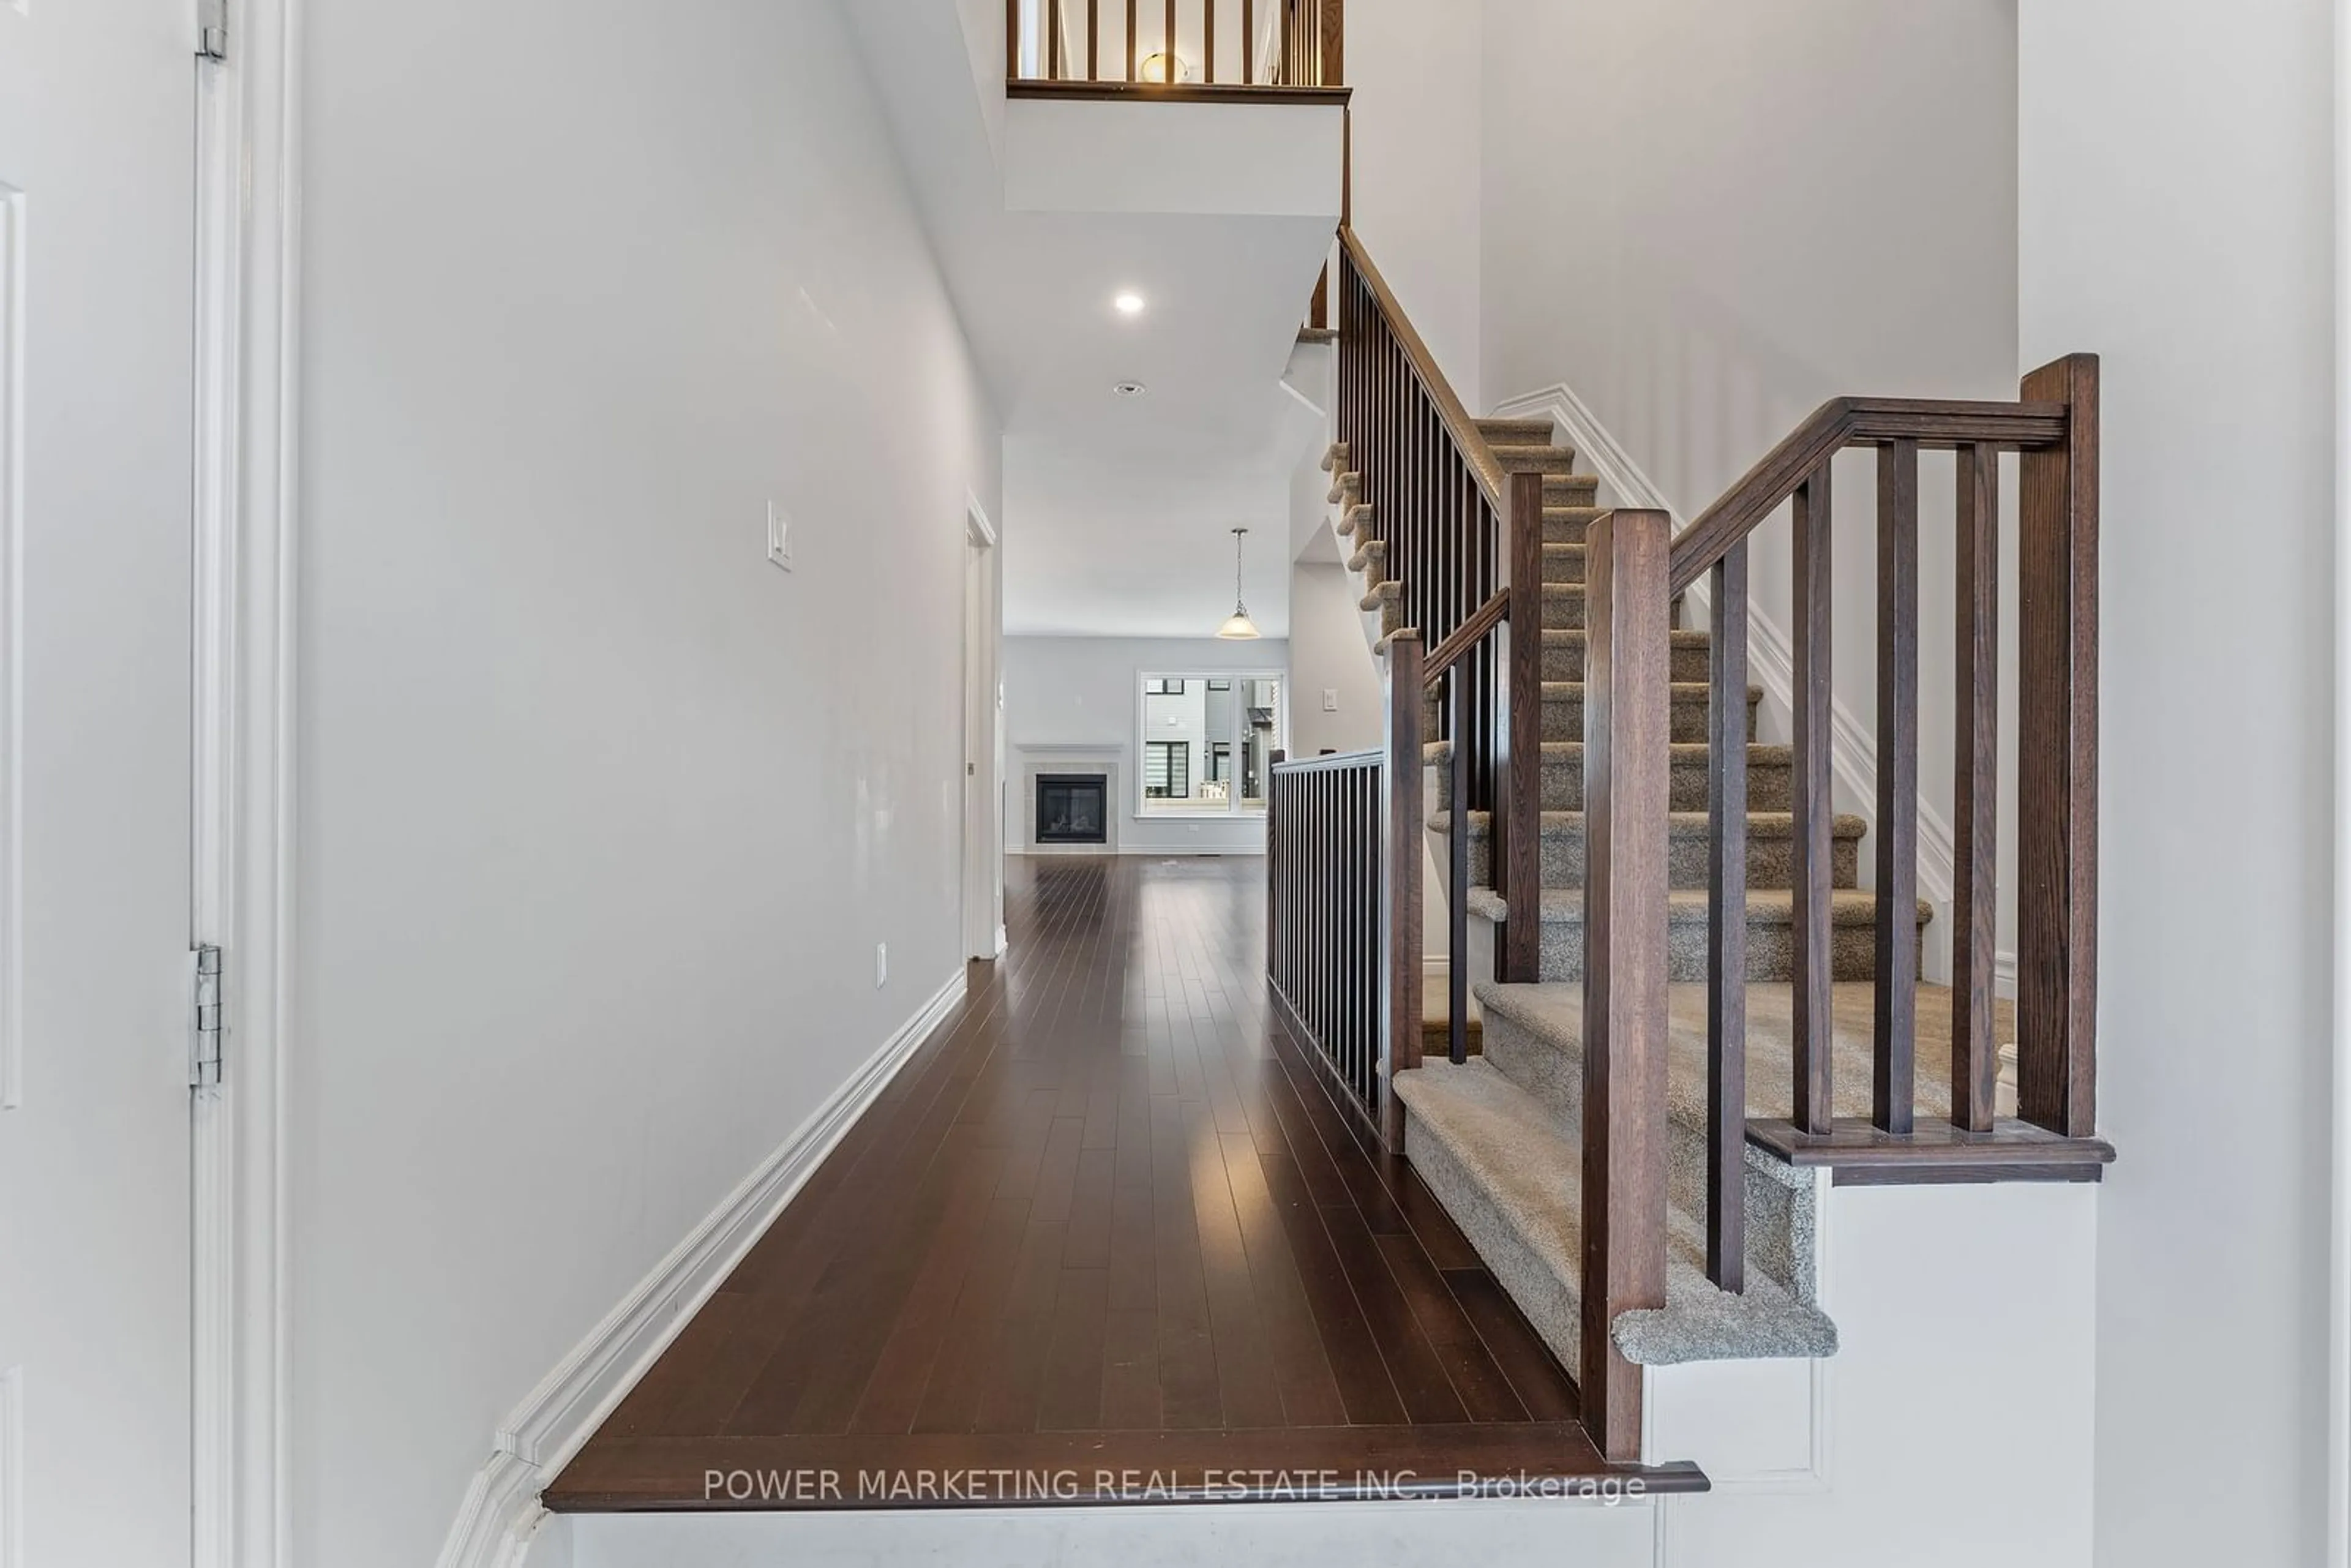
1176, 49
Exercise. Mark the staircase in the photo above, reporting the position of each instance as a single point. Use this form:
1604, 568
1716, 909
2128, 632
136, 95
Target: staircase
1498, 1138
1691, 1011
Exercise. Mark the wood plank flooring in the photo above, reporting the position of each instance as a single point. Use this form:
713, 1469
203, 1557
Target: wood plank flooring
1106, 1238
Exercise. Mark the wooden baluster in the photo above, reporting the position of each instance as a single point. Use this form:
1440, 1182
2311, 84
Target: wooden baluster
1894, 1038
1407, 826
1813, 1002
1518, 814
1133, 58
1167, 45
1209, 40
1054, 39
1012, 40
2057, 760
1627, 756
1333, 45
1726, 969
1456, 908
1975, 906
1093, 40
1249, 43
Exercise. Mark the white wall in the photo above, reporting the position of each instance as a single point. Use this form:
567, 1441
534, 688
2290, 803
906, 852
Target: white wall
1415, 69
1705, 221
2177, 218
1328, 653
601, 815
1082, 691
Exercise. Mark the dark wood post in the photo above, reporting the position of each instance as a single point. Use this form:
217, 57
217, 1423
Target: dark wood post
1894, 1028
1812, 1011
1407, 821
1975, 1046
1518, 810
1726, 969
2057, 760
1627, 755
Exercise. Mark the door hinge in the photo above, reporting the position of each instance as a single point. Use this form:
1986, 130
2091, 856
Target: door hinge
204, 1020
211, 29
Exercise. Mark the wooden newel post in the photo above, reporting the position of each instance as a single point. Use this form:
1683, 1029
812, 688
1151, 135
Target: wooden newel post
1407, 821
1627, 754
1517, 813
2057, 760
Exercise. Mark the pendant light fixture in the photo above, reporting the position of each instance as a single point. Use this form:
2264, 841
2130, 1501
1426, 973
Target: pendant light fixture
1240, 628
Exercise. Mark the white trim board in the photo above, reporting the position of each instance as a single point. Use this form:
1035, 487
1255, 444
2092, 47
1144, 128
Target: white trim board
246, 488
1853, 749
501, 1511
2338, 1316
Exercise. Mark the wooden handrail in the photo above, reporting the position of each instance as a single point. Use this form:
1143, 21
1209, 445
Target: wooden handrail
1466, 636
1462, 430
1852, 421
1329, 760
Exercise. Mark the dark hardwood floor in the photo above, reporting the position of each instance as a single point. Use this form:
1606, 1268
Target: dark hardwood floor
1106, 1238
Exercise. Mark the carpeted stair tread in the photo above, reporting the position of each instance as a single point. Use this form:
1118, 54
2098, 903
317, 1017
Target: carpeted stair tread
1770, 775
1354, 522
1680, 824
1371, 560
1565, 647
1346, 488
1551, 1016
1564, 718
1569, 489
1768, 905
1382, 595
1491, 1155
1501, 432
1334, 458
1562, 564
1542, 459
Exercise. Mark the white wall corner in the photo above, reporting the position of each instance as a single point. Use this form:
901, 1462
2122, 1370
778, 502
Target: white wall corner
500, 1515
1771, 657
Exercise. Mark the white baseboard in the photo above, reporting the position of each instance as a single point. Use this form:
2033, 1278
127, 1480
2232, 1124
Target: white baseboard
1853, 749
500, 1513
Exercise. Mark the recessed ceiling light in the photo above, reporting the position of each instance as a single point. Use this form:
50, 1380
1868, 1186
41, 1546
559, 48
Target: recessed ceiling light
1129, 304
1130, 389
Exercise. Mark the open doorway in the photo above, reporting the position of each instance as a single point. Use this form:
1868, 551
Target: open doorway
983, 747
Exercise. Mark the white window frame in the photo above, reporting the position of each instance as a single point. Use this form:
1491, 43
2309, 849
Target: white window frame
1140, 807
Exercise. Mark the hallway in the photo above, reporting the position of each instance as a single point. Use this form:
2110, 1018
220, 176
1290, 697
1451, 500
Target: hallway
1105, 1221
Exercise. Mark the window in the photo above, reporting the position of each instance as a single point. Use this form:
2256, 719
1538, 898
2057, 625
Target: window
1208, 742
1166, 771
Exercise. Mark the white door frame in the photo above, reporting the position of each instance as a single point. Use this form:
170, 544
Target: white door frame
247, 353
983, 745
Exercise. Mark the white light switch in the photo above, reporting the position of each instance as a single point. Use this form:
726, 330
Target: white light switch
1330, 699
779, 536
880, 964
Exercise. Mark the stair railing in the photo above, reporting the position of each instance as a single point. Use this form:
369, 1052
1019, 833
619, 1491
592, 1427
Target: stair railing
1164, 49
1326, 861
1634, 573
1464, 542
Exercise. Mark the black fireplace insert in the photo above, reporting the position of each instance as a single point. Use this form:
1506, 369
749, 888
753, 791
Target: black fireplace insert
1073, 808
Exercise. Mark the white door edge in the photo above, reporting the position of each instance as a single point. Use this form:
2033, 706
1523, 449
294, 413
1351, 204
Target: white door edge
247, 302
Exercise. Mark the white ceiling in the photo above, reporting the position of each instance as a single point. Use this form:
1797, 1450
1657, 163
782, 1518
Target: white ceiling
1117, 511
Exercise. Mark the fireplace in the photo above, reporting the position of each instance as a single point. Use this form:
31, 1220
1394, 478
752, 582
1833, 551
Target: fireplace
1072, 808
